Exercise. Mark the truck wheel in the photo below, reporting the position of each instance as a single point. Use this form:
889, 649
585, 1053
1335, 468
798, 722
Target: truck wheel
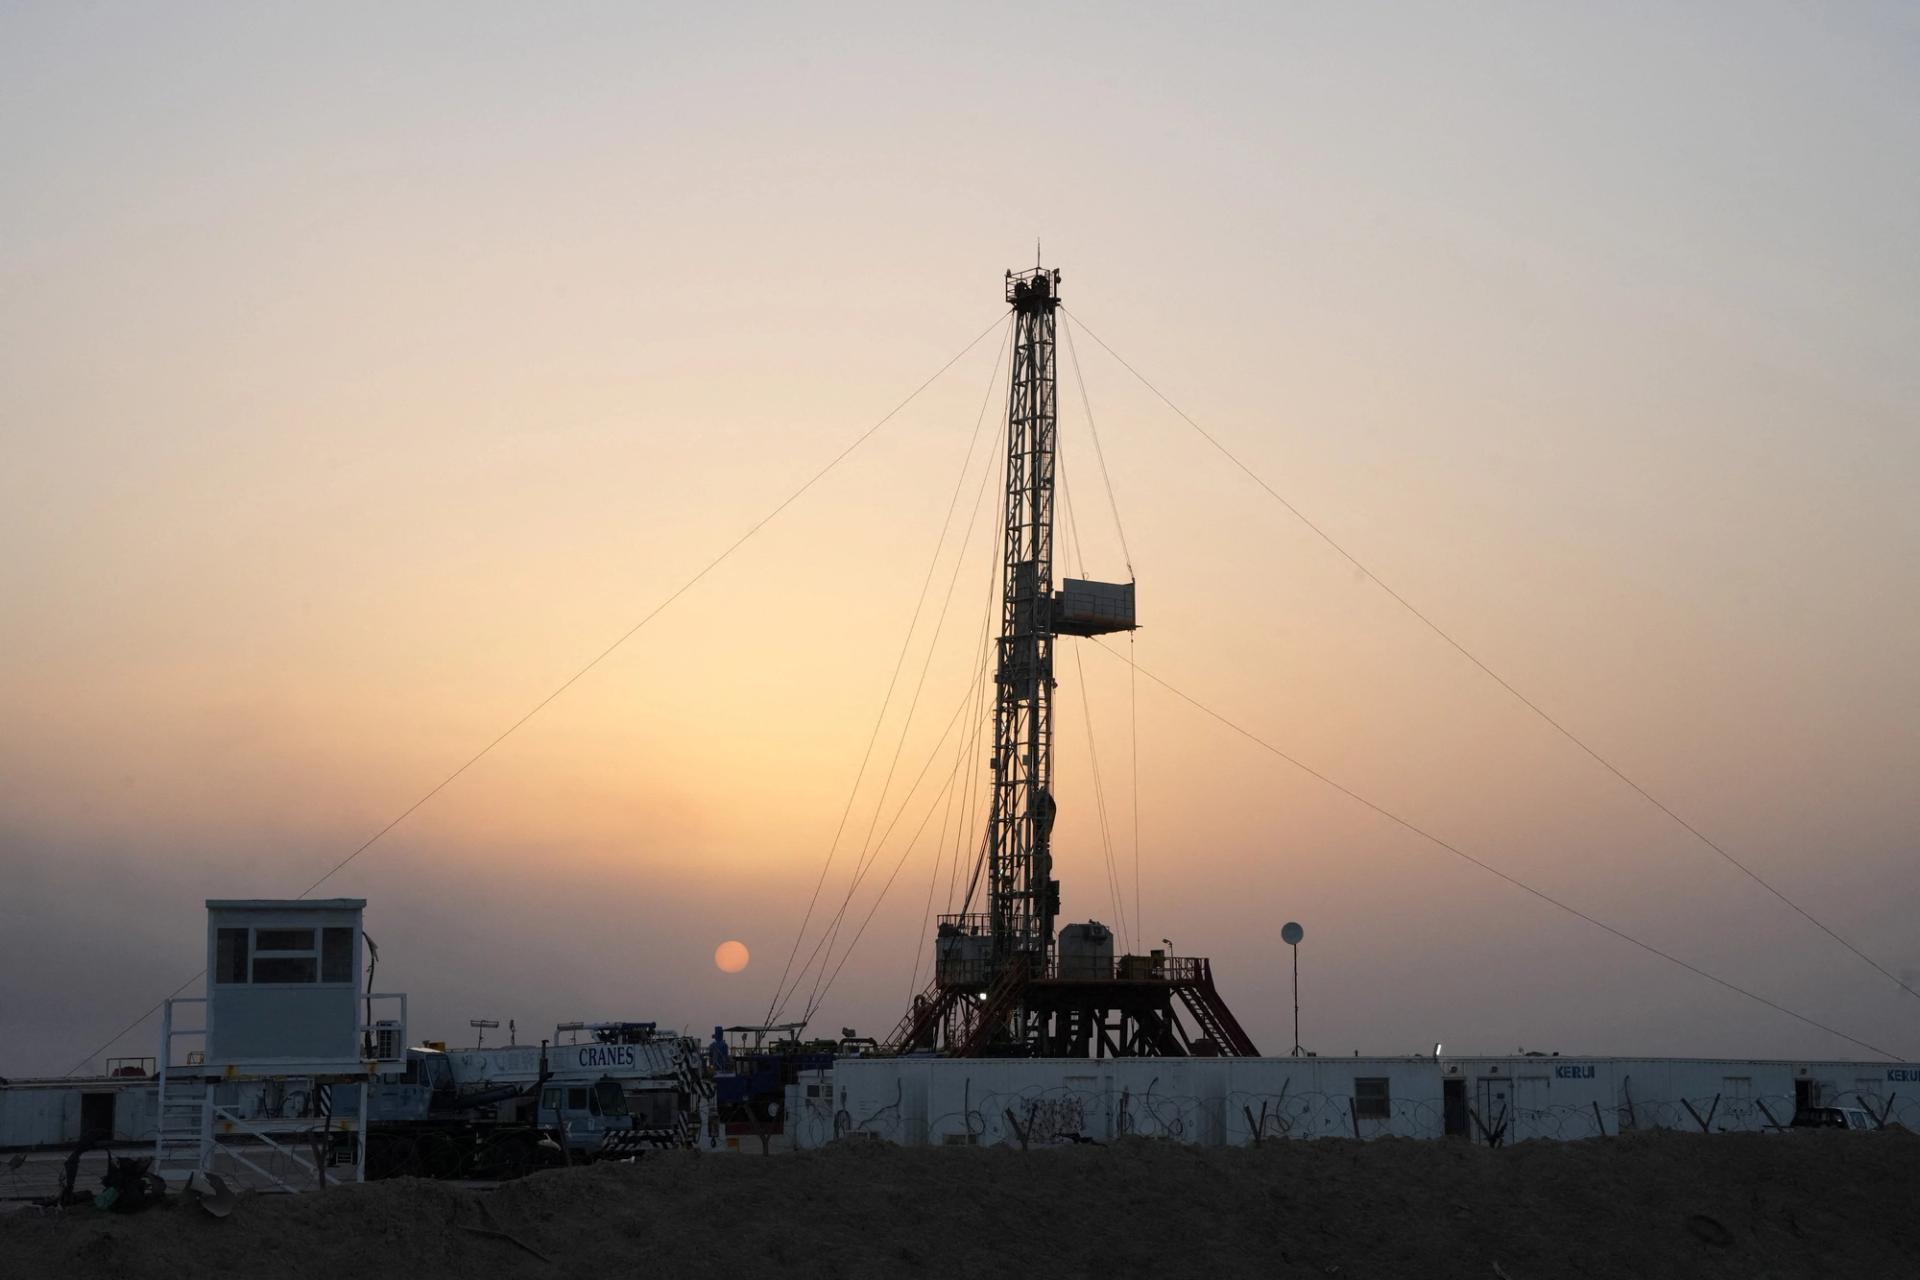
511, 1156
439, 1156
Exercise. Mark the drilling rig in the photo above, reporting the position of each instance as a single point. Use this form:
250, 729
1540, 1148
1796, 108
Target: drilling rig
1005, 984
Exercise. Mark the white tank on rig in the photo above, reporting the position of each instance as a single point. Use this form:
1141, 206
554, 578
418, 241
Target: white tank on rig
962, 951
1086, 951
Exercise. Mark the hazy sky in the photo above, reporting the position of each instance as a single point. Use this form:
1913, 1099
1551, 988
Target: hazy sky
365, 371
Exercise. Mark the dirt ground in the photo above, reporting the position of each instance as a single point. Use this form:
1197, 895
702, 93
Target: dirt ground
1663, 1204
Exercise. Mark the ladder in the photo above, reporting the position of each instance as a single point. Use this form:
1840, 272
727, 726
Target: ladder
189, 1112
183, 1123
183, 1127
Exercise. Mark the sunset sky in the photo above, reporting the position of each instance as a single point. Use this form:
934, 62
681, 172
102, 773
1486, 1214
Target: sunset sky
366, 371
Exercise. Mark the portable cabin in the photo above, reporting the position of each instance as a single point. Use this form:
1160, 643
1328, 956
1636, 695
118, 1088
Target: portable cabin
288, 1040
283, 981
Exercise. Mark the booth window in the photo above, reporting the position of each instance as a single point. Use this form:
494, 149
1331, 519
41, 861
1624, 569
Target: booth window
1370, 1100
336, 955
284, 969
230, 955
283, 956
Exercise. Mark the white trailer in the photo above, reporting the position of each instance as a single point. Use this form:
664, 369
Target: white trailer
918, 1101
61, 1111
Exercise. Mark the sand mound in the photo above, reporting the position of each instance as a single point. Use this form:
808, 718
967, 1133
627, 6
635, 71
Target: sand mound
1663, 1204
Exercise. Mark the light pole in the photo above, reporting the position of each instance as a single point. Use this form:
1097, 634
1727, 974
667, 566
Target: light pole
1291, 933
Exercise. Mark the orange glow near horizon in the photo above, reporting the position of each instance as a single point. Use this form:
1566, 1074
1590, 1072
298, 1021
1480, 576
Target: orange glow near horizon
349, 409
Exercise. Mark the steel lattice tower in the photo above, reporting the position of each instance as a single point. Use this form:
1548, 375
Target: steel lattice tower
1022, 894
1003, 984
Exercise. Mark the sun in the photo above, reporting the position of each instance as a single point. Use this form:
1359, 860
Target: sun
730, 957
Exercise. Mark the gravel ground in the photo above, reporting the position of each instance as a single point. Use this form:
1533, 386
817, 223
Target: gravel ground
1653, 1205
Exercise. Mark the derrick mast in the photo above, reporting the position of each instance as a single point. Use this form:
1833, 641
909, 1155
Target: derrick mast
1004, 982
1023, 896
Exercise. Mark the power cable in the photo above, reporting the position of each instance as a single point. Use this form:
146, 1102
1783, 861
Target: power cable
1492, 870
1529, 703
569, 682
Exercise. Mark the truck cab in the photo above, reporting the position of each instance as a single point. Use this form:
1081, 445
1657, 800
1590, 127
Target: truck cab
1832, 1118
584, 1111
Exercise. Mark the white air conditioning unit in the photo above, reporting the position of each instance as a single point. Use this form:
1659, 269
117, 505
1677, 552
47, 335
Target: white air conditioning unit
387, 1037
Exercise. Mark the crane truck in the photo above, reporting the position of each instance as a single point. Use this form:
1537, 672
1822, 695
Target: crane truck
600, 1090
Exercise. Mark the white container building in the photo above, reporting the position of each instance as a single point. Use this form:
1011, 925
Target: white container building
928, 1101
59, 1112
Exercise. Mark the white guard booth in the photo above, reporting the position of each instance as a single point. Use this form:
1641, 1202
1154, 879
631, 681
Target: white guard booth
288, 1034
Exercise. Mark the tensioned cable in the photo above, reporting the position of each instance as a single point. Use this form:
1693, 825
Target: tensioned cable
1100, 806
1489, 868
1076, 550
976, 769
933, 644
867, 860
976, 757
878, 899
602, 656
1133, 696
906, 644
1469, 655
870, 914
1133, 732
819, 996
1093, 429
979, 847
978, 873
814, 997
967, 749
939, 860
860, 872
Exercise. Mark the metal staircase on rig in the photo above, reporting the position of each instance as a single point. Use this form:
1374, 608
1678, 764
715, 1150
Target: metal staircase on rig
1203, 1001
